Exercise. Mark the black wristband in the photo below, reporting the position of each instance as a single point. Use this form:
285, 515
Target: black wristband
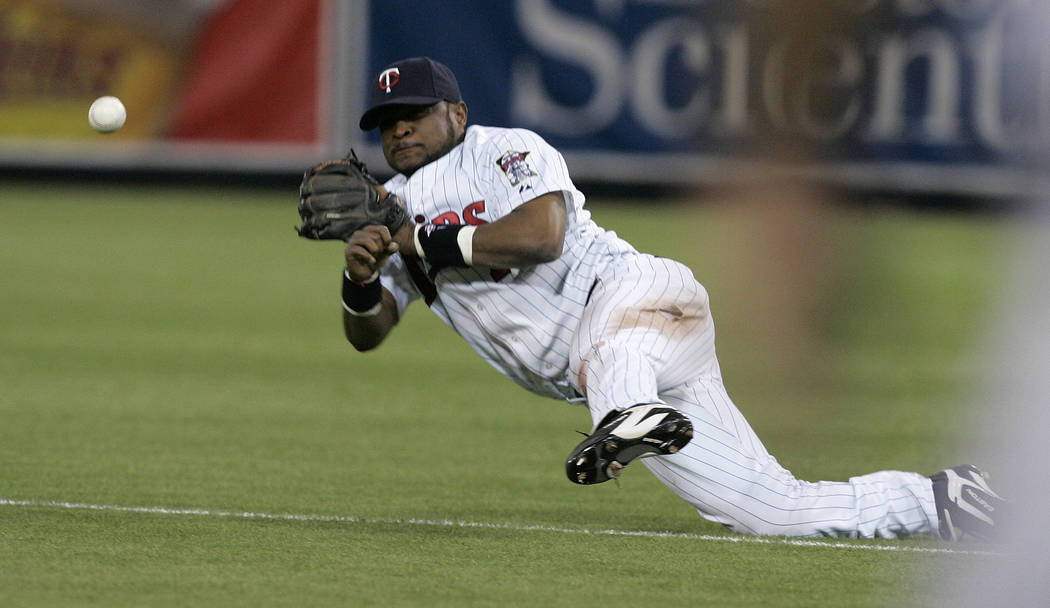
444, 245
362, 299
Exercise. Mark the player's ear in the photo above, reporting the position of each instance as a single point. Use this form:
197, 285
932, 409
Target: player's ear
458, 111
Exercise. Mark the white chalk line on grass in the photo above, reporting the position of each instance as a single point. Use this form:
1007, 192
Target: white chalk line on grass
451, 523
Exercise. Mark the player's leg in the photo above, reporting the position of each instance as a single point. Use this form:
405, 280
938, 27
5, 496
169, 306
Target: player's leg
636, 335
727, 474
647, 336
647, 325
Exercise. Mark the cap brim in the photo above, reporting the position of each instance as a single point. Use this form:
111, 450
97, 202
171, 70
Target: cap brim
370, 119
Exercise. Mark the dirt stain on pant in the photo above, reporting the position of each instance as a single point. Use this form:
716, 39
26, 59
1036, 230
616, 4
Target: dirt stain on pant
668, 318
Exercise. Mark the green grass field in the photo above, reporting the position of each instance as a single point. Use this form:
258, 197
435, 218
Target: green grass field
180, 351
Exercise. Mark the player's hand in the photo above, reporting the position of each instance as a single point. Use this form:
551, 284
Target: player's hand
406, 234
405, 238
367, 250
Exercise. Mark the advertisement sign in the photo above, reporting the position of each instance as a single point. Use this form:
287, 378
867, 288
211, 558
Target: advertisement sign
54, 63
224, 84
911, 94
908, 96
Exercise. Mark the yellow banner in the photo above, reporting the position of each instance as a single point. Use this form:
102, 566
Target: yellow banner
55, 61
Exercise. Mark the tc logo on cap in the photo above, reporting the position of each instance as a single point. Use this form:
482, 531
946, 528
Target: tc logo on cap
389, 78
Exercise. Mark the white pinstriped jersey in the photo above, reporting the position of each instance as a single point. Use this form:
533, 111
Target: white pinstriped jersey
521, 321
646, 336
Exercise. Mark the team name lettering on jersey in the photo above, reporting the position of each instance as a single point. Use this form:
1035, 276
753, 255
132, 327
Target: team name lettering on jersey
425, 280
469, 216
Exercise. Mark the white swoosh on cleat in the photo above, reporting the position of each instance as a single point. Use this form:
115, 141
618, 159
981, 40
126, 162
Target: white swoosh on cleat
638, 422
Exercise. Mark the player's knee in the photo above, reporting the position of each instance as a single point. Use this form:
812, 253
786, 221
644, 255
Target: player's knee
701, 301
589, 363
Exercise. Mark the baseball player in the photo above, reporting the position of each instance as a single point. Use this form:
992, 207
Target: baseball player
486, 228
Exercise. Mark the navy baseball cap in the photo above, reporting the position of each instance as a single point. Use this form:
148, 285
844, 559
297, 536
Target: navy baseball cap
417, 81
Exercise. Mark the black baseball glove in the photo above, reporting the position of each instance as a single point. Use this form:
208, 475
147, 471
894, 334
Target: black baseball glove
339, 197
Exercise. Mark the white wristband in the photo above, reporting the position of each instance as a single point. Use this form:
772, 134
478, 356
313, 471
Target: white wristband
419, 246
375, 275
371, 312
465, 240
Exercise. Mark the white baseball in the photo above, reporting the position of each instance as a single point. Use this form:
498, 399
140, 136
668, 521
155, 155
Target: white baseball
107, 114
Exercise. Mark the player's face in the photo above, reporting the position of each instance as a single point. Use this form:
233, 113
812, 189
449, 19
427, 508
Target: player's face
413, 136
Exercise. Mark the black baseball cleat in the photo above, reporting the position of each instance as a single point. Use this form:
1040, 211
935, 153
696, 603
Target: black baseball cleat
966, 505
649, 429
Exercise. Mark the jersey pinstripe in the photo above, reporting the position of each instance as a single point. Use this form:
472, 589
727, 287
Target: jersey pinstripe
622, 328
648, 336
521, 321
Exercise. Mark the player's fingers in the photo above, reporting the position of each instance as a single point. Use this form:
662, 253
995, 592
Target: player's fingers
357, 252
383, 241
368, 249
358, 272
369, 239
382, 233
360, 264
376, 231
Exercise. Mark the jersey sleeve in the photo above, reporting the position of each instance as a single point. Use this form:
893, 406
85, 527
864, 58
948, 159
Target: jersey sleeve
395, 278
517, 166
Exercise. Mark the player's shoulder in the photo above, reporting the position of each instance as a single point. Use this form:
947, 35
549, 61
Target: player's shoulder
502, 136
498, 141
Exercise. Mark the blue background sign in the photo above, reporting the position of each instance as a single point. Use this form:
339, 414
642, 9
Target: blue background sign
930, 83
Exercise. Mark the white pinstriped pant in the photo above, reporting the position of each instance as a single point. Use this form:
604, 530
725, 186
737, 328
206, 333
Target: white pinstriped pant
647, 336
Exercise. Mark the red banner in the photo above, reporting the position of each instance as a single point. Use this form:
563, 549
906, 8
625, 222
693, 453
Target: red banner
253, 75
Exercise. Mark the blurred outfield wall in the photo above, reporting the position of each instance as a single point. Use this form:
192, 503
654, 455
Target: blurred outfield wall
909, 96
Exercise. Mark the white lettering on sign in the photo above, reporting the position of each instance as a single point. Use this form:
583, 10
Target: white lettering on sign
951, 81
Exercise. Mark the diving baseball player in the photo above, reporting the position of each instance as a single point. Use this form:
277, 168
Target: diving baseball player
486, 228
